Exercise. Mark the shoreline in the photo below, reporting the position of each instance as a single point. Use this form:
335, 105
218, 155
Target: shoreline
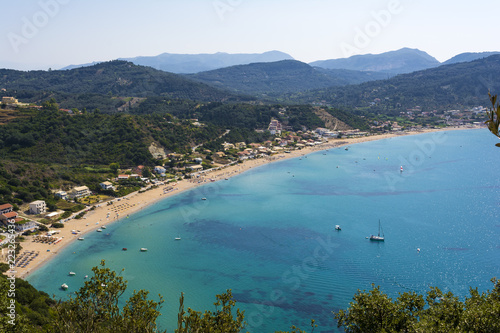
105, 214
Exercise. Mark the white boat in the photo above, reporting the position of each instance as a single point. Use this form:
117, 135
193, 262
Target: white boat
103, 227
81, 238
99, 230
72, 273
64, 286
378, 238
337, 227
143, 249
203, 198
178, 238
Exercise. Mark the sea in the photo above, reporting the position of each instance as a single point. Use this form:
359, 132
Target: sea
269, 234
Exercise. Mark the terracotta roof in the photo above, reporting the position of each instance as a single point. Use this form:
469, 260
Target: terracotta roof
10, 215
4, 206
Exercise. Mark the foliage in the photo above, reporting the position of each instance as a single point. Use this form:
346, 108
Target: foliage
95, 307
83, 87
494, 117
220, 321
443, 88
374, 311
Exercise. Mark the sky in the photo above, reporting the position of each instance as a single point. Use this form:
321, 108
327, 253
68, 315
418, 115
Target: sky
43, 34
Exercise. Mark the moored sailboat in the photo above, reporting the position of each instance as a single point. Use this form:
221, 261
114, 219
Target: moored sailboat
378, 237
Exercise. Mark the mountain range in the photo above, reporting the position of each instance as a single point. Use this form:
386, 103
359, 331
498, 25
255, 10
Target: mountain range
401, 61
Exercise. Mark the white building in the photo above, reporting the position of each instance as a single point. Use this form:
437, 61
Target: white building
38, 207
61, 195
106, 186
79, 192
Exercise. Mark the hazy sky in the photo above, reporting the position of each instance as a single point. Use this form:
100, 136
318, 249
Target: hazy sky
38, 34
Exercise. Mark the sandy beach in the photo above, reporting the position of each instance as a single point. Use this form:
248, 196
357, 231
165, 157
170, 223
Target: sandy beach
34, 254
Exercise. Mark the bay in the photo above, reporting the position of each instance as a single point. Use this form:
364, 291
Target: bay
268, 234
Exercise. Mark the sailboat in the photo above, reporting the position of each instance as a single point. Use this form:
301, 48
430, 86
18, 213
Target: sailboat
378, 237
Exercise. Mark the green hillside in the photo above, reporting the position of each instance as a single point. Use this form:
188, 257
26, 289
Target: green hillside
442, 88
101, 85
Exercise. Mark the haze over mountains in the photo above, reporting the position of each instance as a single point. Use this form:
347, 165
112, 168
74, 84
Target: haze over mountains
401, 61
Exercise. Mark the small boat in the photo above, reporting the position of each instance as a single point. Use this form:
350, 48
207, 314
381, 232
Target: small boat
64, 286
178, 238
203, 198
143, 249
346, 148
401, 170
103, 227
378, 238
99, 230
337, 227
72, 273
124, 249
81, 238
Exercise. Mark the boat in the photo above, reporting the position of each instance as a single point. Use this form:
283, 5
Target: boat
203, 198
378, 237
72, 273
401, 170
337, 227
178, 238
81, 238
124, 249
143, 249
103, 227
64, 286
99, 230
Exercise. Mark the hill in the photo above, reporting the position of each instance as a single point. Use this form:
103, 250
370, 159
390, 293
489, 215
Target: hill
442, 88
470, 56
194, 63
98, 86
274, 78
405, 60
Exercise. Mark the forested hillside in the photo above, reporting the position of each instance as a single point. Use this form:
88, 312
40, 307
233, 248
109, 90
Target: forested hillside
446, 87
101, 85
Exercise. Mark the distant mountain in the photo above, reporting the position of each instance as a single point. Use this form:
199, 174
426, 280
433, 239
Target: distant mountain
469, 56
443, 88
106, 80
405, 60
194, 63
274, 78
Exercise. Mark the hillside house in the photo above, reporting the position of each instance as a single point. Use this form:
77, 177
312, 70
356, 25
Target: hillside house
160, 170
275, 127
79, 192
61, 195
38, 207
106, 186
9, 217
6, 208
9, 101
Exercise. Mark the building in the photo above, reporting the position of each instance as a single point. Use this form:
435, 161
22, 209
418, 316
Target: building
9, 100
38, 207
9, 217
106, 186
6, 208
61, 195
79, 192
275, 127
159, 169
26, 225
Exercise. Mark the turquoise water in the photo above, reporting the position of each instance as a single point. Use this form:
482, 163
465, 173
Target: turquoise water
269, 234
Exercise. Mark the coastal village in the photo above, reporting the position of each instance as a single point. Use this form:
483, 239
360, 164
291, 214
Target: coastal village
34, 223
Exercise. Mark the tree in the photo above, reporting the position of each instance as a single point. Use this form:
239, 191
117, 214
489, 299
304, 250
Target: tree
219, 321
95, 307
494, 117
442, 312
